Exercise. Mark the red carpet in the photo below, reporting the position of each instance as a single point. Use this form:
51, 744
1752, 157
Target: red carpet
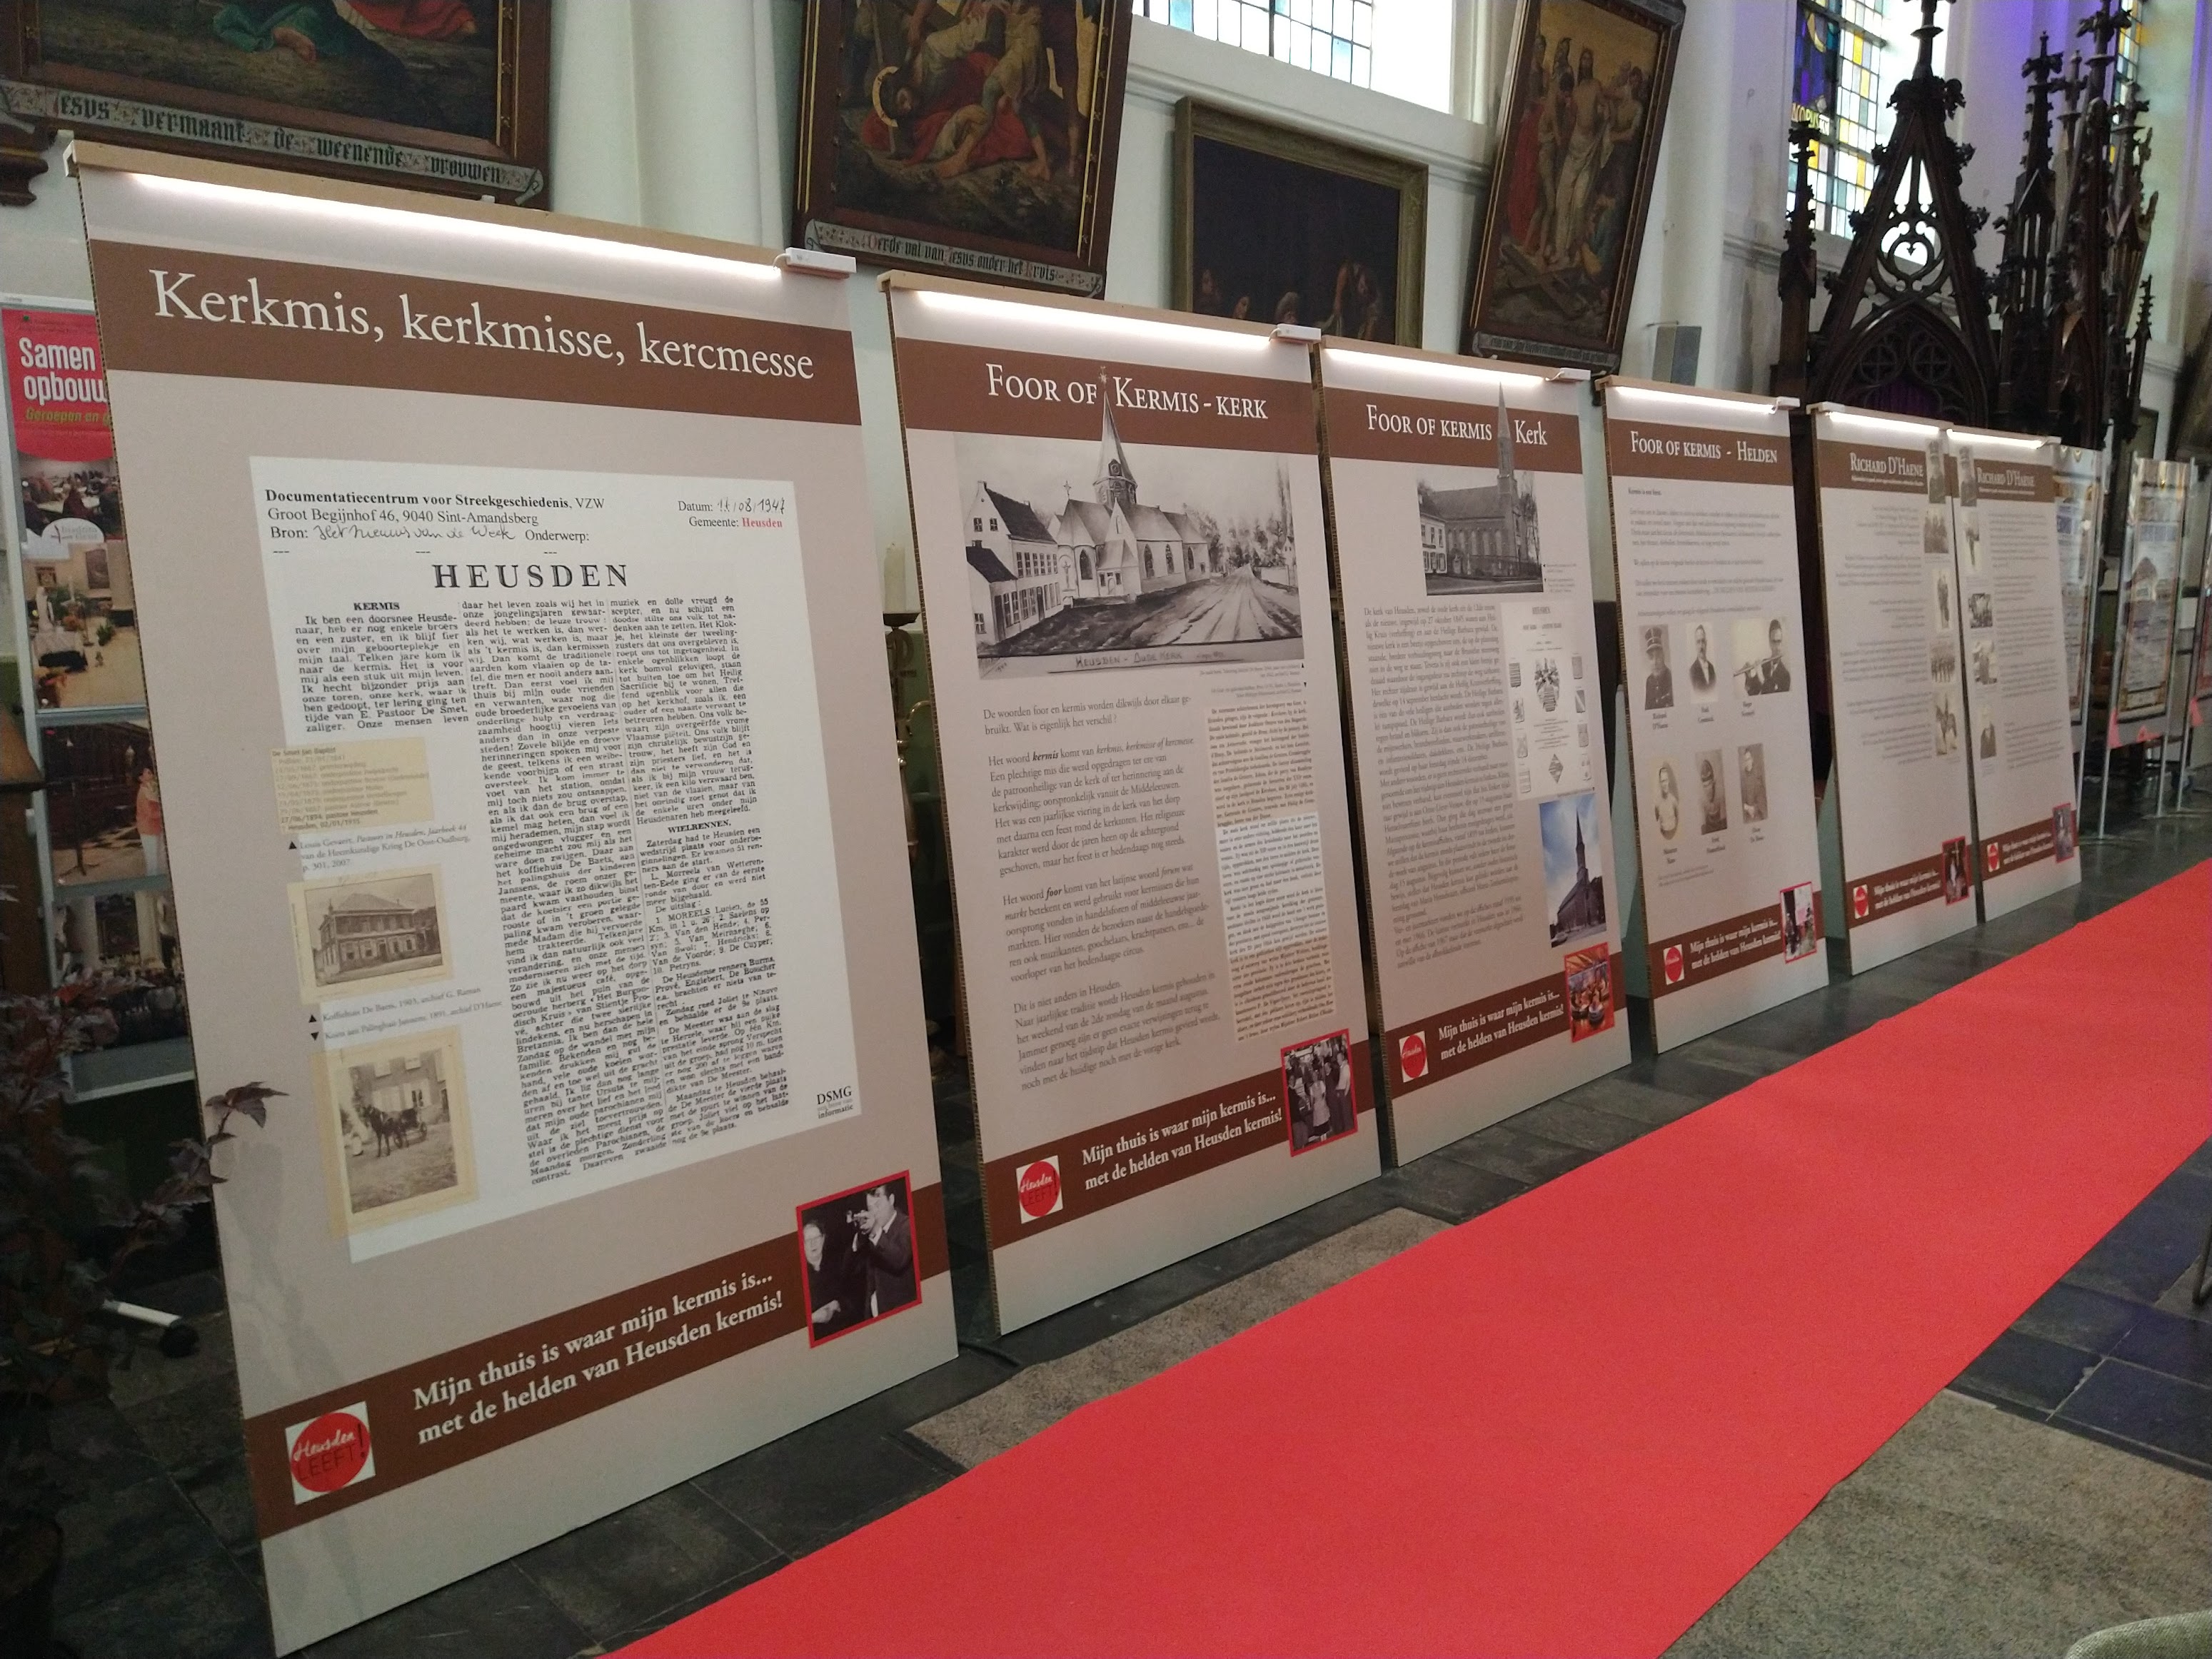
1570, 1425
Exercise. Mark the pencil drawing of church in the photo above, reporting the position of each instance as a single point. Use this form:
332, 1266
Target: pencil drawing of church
1112, 571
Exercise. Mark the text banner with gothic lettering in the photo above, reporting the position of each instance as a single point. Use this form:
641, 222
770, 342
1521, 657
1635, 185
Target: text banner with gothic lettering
530, 832
1118, 521
1478, 732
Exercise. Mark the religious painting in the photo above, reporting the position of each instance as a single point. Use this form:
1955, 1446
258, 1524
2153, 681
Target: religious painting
1274, 225
1577, 139
972, 137
447, 95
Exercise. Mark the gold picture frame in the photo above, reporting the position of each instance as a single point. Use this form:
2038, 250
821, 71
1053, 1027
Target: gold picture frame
1322, 216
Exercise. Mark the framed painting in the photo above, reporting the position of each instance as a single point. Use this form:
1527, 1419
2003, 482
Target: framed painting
447, 95
1280, 226
1571, 180
972, 137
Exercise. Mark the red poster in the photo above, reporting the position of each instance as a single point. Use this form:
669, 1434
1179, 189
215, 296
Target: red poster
83, 609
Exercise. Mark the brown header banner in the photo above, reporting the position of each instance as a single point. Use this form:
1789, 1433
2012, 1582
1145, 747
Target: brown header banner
2031, 843
174, 311
2013, 481
964, 388
1651, 449
1474, 1033
1905, 887
1722, 947
1852, 465
1081, 1174
423, 1417
1373, 426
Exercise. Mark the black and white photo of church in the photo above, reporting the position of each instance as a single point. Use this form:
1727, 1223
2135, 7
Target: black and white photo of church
1479, 538
1057, 572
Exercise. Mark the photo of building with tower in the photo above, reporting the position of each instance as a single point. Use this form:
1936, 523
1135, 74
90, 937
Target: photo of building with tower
1575, 897
1478, 537
1055, 572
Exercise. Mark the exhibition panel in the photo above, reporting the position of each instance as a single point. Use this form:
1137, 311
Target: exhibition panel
2011, 609
2150, 591
1705, 541
2077, 476
1896, 824
1477, 733
1118, 518
531, 834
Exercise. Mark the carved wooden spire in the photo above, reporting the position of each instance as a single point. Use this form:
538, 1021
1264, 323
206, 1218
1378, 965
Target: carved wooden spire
1907, 326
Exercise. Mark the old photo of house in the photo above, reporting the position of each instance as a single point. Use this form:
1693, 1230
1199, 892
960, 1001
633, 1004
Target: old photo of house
399, 1117
1479, 528
368, 932
1164, 556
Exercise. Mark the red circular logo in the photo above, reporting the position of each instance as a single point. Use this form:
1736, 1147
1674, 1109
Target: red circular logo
1412, 1056
1858, 901
1991, 853
331, 1452
1674, 964
1039, 1187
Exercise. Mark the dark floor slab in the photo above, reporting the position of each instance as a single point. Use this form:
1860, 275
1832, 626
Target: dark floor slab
1508, 1150
1450, 1190
1573, 1121
2147, 1408
2150, 1248
683, 1609
202, 1612
192, 1428
2079, 1318
626, 1568
2025, 1371
497, 1613
1641, 1103
224, 1497
117, 1539
817, 1484
2169, 1344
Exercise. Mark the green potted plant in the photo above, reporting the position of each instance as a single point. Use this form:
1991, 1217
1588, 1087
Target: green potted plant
57, 1338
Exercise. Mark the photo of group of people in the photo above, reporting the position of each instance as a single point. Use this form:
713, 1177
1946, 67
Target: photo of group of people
1710, 769
82, 608
1958, 874
858, 1251
1758, 655
1317, 1093
1589, 993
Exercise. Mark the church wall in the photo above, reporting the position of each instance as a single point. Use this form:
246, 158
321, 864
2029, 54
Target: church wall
681, 114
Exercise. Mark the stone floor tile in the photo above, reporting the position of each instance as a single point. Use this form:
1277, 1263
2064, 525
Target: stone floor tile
1508, 1150
817, 1484
117, 1539
2026, 1371
497, 1613
2147, 1408
622, 1569
205, 1611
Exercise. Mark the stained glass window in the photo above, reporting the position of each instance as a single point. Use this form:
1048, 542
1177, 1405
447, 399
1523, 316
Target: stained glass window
1850, 56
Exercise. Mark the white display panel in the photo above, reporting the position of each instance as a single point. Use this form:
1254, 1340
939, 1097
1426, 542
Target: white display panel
1903, 808
1705, 548
1462, 550
2011, 601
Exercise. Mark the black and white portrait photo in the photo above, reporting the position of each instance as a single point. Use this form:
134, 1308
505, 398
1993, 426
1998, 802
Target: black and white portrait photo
1946, 720
1713, 794
1762, 655
1703, 676
1658, 668
1080, 555
1943, 622
1318, 1091
1751, 782
1958, 879
1984, 658
1980, 613
858, 1248
1666, 801
1478, 527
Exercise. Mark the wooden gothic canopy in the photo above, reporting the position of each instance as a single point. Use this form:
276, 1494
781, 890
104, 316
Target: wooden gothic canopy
1909, 325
